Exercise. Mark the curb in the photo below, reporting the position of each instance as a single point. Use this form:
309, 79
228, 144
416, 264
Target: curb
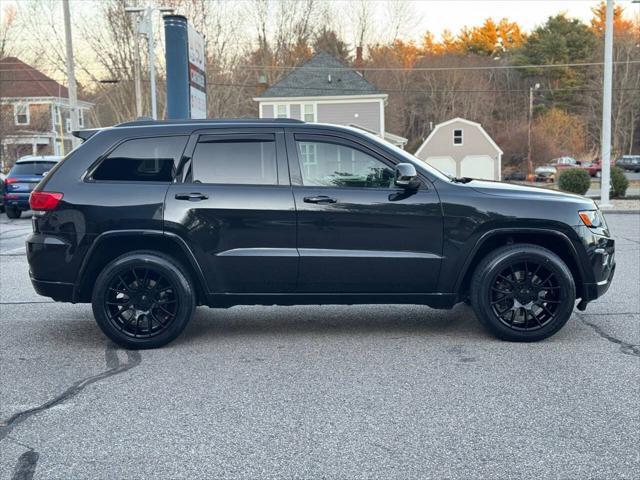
626, 212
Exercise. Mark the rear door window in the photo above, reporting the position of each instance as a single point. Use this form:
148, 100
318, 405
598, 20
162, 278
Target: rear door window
240, 160
142, 160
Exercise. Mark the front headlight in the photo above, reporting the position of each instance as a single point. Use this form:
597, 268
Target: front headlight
592, 218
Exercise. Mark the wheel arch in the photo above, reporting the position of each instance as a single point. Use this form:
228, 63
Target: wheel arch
553, 240
104, 249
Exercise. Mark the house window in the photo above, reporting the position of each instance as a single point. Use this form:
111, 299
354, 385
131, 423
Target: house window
68, 125
308, 157
457, 137
282, 111
21, 113
308, 113
81, 118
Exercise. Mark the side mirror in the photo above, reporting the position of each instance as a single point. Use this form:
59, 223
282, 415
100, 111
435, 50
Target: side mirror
406, 176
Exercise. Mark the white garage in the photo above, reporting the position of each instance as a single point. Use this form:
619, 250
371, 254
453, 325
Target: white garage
462, 148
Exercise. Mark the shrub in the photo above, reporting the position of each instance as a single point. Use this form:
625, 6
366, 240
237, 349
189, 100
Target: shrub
619, 182
574, 180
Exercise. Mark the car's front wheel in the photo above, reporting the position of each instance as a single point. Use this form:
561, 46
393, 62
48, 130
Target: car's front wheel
523, 292
143, 299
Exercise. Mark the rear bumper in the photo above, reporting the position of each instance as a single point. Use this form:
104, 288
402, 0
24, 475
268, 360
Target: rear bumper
51, 266
59, 291
16, 200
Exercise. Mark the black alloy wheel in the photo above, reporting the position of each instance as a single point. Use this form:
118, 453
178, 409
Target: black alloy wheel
143, 299
525, 295
523, 292
141, 302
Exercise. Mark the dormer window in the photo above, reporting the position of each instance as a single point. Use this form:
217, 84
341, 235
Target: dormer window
457, 137
21, 113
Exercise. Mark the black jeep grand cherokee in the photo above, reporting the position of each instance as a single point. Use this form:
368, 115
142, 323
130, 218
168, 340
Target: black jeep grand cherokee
146, 220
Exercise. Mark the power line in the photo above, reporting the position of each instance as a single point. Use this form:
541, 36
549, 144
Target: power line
435, 69
383, 69
383, 90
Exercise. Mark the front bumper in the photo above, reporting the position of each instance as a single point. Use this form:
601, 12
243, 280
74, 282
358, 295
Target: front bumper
596, 290
600, 265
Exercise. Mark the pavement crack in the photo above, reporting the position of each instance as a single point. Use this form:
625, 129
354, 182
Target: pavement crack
114, 367
626, 348
26, 466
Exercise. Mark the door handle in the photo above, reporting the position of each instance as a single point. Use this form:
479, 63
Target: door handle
320, 199
192, 197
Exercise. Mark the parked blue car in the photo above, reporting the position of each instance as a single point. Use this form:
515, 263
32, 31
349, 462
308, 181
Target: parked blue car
22, 179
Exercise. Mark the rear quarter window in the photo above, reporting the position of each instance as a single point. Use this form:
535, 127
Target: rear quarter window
151, 159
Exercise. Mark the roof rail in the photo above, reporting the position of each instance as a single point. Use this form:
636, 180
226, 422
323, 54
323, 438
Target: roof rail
140, 123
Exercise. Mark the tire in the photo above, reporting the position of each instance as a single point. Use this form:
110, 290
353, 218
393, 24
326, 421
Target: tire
143, 299
13, 212
522, 293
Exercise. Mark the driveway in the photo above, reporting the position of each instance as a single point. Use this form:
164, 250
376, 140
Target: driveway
319, 392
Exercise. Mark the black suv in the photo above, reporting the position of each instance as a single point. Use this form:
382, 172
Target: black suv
146, 220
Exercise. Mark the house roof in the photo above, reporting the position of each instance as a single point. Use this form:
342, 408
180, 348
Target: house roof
388, 136
322, 76
461, 120
17, 79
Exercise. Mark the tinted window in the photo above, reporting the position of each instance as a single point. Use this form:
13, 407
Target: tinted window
142, 160
333, 165
31, 168
235, 161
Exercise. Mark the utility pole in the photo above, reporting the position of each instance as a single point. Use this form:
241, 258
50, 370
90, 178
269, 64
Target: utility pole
605, 146
136, 74
71, 75
145, 26
152, 60
529, 160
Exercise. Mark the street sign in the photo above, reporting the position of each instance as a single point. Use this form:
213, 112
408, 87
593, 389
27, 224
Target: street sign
197, 75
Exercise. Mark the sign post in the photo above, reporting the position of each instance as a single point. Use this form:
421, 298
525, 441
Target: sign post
197, 75
186, 77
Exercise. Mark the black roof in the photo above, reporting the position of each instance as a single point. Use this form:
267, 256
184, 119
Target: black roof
322, 76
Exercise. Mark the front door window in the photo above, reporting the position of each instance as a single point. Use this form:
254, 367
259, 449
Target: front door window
325, 164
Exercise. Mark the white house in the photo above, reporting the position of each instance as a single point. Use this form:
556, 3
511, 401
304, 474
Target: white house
462, 148
325, 90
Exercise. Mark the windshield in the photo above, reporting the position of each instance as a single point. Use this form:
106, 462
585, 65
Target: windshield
407, 156
32, 168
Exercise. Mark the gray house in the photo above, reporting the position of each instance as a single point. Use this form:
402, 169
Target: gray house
325, 90
462, 148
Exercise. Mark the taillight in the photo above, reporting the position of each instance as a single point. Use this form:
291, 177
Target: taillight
10, 180
43, 201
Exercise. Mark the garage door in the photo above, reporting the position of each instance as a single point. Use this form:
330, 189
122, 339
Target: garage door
478, 166
444, 164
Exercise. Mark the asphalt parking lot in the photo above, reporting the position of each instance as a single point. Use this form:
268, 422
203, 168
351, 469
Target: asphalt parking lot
319, 392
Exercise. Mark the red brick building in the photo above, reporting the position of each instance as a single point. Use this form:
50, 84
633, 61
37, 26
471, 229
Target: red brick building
34, 112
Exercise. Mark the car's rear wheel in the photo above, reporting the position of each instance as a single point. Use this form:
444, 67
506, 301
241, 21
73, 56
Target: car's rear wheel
13, 212
523, 293
143, 299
